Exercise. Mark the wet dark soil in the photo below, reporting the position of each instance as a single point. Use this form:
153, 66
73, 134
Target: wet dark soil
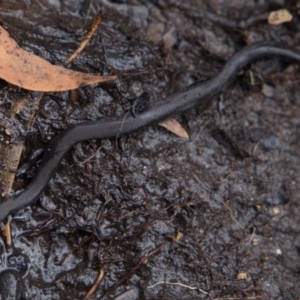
215, 223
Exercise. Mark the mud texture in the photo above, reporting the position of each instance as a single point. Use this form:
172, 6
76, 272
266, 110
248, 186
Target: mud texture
217, 214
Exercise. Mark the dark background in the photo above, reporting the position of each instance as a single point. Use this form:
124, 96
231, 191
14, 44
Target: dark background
239, 216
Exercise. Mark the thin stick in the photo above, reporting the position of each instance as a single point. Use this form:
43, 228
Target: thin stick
131, 272
180, 284
232, 216
202, 291
97, 20
95, 285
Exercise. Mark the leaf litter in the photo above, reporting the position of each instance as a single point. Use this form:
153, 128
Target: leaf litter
173, 126
26, 70
11, 153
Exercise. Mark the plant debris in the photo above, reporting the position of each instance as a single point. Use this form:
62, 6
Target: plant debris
173, 126
31, 72
279, 16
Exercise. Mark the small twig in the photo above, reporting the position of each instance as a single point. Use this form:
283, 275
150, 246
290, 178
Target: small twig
132, 212
123, 121
131, 272
226, 178
95, 285
232, 216
89, 10
252, 235
75, 248
255, 147
91, 156
101, 210
202, 291
183, 285
97, 20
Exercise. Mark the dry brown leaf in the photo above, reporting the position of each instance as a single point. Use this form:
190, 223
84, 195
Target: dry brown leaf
279, 16
31, 72
174, 127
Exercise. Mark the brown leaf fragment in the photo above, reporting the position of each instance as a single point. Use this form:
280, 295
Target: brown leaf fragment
31, 72
279, 16
173, 126
7, 233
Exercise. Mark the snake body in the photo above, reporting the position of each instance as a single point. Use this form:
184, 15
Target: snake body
197, 94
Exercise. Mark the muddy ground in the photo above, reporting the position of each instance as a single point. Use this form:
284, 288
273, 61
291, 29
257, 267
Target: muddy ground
218, 219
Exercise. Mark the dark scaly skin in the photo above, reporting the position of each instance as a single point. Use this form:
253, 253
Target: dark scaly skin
199, 94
